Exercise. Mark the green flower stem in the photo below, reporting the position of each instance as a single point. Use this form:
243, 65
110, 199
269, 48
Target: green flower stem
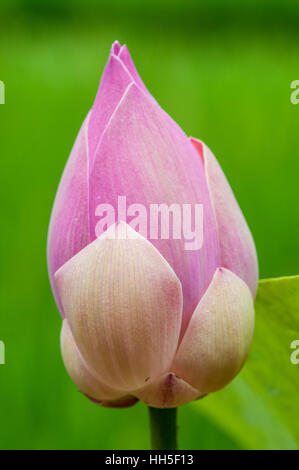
163, 428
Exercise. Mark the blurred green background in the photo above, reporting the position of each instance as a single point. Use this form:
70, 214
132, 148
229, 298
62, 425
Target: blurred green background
222, 70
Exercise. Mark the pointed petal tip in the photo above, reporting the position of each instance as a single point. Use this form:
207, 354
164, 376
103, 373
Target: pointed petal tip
120, 230
169, 391
119, 50
115, 48
198, 144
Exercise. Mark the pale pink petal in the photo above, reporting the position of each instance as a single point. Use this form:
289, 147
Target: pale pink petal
85, 379
124, 306
123, 402
168, 391
218, 336
237, 247
146, 157
69, 224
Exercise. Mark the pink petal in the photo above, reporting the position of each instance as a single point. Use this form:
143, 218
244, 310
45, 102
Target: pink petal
168, 391
218, 336
114, 82
69, 225
124, 305
237, 247
119, 72
126, 59
146, 157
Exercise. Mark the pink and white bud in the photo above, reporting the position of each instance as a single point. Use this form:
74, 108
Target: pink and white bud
144, 316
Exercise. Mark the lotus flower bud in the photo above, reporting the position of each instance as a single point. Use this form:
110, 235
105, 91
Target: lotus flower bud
151, 261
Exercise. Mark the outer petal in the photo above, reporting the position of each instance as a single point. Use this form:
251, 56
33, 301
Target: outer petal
168, 391
114, 82
237, 247
126, 59
146, 157
124, 306
85, 379
69, 225
218, 336
119, 72
123, 402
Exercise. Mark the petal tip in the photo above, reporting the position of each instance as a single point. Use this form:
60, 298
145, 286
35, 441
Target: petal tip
115, 48
169, 391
